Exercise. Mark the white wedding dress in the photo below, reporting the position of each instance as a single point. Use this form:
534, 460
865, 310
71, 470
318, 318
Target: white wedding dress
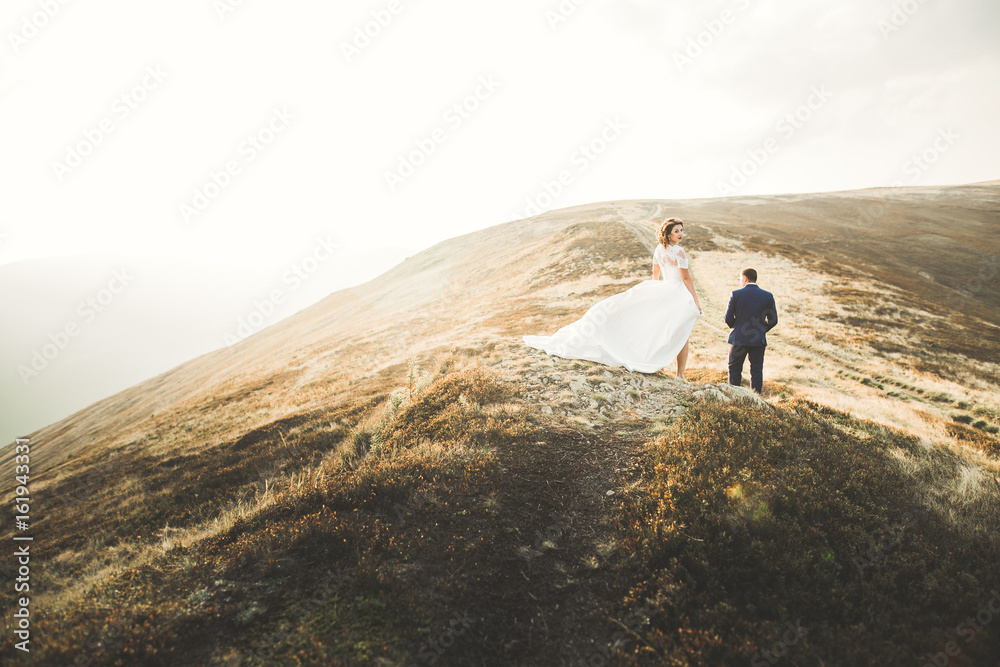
643, 328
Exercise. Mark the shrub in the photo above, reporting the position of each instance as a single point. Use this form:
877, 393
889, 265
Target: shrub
984, 411
760, 518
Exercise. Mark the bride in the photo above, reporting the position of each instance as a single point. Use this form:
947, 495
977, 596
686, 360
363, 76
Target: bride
644, 328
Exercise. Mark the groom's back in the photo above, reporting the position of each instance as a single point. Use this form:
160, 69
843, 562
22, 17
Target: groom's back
751, 314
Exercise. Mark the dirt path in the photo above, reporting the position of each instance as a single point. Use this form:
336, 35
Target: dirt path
553, 585
552, 592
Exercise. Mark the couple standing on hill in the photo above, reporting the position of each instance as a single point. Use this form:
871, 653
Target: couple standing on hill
647, 327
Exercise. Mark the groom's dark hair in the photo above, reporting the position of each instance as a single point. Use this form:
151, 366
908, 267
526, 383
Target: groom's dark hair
751, 275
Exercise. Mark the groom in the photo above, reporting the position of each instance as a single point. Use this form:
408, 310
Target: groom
751, 314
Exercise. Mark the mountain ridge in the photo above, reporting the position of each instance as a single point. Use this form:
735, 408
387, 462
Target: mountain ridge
391, 291
399, 442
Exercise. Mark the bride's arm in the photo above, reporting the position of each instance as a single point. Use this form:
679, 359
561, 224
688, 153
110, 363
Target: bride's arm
689, 283
656, 271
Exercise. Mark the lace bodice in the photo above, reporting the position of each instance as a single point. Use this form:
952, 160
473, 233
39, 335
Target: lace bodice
671, 261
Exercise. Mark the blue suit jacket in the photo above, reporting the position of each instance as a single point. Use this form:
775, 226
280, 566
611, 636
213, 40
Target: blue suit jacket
750, 315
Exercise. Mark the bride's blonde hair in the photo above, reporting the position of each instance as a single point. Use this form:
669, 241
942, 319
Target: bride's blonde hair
666, 227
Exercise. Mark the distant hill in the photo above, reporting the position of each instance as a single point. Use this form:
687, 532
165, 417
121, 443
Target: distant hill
930, 250
452, 487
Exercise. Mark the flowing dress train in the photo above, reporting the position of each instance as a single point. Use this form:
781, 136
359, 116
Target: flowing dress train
643, 328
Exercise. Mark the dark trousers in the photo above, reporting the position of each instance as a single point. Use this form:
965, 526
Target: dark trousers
737, 354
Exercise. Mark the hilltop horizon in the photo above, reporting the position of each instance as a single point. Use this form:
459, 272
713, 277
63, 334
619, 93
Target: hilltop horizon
148, 325
397, 441
269, 273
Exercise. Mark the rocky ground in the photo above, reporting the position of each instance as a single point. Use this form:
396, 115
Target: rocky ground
595, 394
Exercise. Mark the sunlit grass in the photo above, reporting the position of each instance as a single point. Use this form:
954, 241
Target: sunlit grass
759, 518
199, 512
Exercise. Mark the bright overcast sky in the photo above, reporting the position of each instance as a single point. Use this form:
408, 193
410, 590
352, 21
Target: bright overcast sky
244, 134
683, 92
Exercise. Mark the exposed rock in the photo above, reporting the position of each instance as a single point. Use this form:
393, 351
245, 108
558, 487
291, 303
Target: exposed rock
712, 393
566, 388
742, 393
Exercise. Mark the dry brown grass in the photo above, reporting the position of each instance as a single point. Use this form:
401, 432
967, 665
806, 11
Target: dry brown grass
368, 393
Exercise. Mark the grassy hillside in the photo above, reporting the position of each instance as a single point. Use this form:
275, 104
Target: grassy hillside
459, 523
804, 531
389, 477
